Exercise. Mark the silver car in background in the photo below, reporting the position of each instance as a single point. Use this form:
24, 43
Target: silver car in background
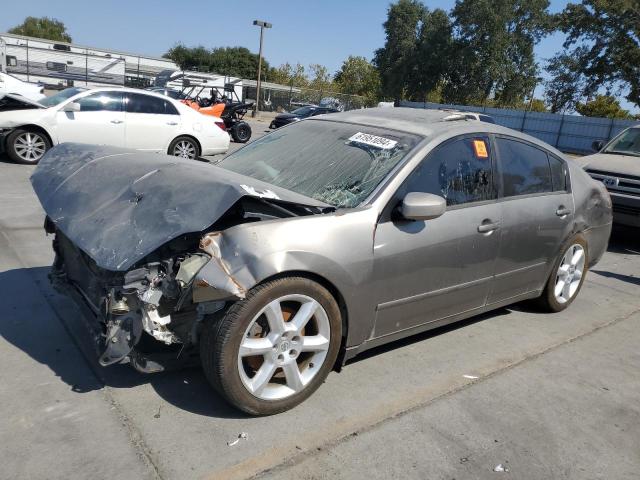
617, 166
315, 243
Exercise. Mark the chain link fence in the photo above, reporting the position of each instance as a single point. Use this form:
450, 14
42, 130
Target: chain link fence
280, 98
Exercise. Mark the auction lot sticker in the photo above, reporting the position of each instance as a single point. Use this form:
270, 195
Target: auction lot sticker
481, 149
373, 140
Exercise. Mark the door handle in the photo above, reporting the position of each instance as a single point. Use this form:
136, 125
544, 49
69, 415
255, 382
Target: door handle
562, 212
487, 226
172, 123
116, 121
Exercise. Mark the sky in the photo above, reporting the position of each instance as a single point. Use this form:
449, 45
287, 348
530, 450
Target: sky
305, 31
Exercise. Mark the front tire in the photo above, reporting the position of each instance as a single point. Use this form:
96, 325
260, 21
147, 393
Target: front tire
184, 147
273, 349
27, 146
567, 276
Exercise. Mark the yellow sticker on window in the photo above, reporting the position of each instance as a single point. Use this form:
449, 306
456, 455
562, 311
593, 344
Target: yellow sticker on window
481, 149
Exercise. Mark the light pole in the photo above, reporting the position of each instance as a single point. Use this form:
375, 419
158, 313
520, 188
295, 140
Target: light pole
262, 26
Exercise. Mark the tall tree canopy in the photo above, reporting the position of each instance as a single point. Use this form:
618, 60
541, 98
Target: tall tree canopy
395, 60
42, 27
494, 41
232, 61
603, 41
483, 50
358, 77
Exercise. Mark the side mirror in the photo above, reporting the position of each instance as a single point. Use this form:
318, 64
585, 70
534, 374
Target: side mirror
71, 107
422, 206
597, 145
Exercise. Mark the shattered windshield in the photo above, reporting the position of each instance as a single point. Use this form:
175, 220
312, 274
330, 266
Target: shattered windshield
628, 143
336, 163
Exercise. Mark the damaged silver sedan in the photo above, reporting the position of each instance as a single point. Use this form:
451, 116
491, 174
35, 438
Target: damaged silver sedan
314, 243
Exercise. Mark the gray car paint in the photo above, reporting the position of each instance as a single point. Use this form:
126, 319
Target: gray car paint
392, 278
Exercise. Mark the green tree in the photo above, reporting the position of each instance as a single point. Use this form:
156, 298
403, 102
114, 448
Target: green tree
566, 84
603, 36
396, 59
604, 106
357, 76
536, 105
232, 61
431, 57
320, 78
42, 27
494, 43
287, 74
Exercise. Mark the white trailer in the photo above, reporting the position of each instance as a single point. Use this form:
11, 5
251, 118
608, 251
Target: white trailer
60, 64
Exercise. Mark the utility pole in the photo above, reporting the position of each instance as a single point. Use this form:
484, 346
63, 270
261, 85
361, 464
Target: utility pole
262, 26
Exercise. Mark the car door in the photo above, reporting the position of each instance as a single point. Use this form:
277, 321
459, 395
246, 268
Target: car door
100, 120
537, 213
430, 270
151, 122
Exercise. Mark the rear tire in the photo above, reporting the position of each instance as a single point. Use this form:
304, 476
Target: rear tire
184, 147
261, 356
566, 277
27, 146
241, 132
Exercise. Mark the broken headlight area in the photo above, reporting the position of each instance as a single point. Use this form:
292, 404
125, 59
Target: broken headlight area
147, 315
152, 313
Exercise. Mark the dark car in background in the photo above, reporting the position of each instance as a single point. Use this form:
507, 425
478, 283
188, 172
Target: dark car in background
300, 113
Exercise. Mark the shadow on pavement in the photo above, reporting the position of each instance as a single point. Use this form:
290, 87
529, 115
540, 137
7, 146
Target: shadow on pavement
31, 321
619, 276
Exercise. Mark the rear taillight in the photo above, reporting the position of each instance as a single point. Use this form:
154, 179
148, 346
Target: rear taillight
221, 125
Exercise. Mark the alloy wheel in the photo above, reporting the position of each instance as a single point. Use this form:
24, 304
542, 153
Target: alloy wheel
569, 274
184, 149
284, 347
30, 147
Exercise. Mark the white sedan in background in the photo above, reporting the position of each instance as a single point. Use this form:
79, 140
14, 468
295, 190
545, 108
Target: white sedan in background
121, 117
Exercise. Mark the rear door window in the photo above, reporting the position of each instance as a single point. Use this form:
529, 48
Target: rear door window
524, 169
459, 170
140, 103
558, 174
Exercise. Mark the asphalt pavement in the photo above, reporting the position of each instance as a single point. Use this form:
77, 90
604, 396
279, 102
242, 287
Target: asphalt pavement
509, 394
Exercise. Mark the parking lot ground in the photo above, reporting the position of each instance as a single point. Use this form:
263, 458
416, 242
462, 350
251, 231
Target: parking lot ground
556, 396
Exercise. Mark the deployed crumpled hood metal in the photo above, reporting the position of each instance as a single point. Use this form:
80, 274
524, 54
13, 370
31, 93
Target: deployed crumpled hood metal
11, 101
118, 206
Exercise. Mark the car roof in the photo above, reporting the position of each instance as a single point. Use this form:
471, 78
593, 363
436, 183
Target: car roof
427, 123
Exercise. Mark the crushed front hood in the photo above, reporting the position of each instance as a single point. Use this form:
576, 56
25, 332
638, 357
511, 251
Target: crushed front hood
11, 101
118, 206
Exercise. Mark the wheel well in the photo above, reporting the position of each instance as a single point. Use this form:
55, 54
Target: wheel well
190, 137
36, 128
335, 293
